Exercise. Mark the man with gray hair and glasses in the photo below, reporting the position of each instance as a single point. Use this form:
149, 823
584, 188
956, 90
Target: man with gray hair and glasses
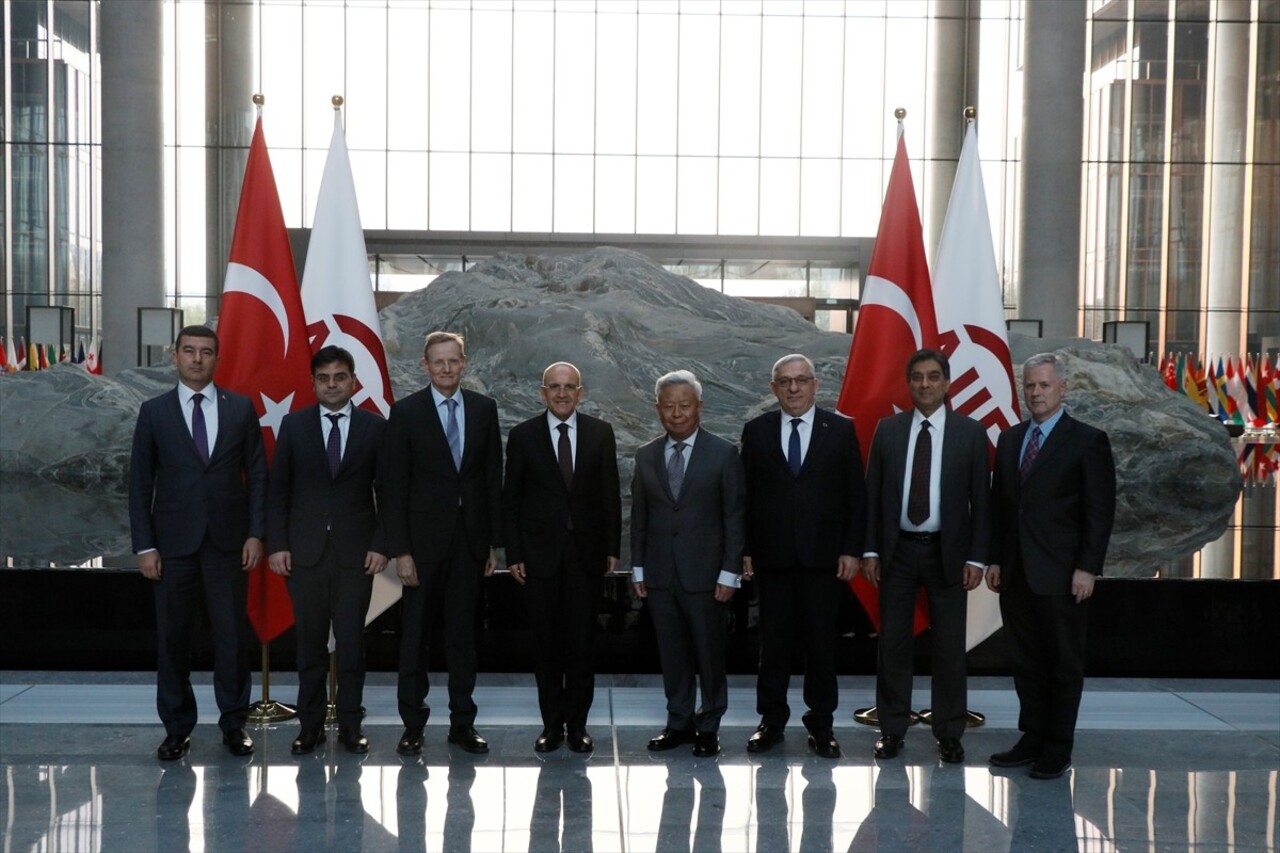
806, 521
687, 515
1053, 501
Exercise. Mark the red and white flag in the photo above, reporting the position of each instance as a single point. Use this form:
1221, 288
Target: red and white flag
895, 319
970, 312
337, 298
93, 358
263, 343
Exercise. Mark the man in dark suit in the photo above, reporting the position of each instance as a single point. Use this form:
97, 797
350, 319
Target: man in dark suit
806, 519
197, 512
323, 535
441, 471
1053, 504
687, 513
928, 490
562, 512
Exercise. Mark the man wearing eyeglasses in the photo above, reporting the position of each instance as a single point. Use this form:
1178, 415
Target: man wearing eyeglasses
562, 511
806, 519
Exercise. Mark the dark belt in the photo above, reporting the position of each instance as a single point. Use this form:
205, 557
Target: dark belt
918, 536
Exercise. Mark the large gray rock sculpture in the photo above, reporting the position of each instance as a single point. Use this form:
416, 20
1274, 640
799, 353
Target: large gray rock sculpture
623, 320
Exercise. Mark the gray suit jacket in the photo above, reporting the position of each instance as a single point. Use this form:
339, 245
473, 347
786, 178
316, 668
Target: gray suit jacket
965, 499
686, 540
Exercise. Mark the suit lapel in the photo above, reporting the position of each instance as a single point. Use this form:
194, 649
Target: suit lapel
901, 438
470, 432
694, 463
817, 435
355, 435
174, 404
549, 454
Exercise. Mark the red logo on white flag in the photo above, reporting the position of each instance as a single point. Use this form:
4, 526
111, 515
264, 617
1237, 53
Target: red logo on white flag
262, 335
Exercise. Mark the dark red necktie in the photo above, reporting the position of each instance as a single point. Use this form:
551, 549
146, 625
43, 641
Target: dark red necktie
921, 467
564, 451
1029, 455
334, 448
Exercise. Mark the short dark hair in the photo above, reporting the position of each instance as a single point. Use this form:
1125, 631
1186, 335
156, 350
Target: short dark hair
330, 354
927, 354
196, 332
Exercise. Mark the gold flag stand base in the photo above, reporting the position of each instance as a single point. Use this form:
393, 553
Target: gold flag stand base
869, 717
266, 710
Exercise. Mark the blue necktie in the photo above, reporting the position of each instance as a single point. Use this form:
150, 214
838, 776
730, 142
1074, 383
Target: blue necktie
793, 448
199, 432
451, 433
334, 448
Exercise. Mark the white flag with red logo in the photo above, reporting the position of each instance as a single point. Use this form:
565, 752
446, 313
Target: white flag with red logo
264, 353
337, 298
971, 328
894, 320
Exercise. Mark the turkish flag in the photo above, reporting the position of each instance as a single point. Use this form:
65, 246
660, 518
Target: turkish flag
263, 344
895, 319
337, 298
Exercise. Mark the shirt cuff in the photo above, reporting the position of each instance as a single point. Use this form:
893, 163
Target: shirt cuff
732, 579
867, 554
145, 551
982, 566
637, 574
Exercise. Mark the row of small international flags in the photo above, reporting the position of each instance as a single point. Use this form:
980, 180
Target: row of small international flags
1259, 463
33, 356
1242, 390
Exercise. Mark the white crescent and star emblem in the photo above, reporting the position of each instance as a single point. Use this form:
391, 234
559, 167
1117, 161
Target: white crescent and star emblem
247, 280
891, 297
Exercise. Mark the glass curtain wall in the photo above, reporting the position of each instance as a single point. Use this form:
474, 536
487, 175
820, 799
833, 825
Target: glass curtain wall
52, 251
658, 117
1154, 94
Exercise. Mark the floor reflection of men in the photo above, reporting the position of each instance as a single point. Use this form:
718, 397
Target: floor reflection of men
677, 809
818, 806
411, 807
562, 810
1042, 817
318, 788
174, 796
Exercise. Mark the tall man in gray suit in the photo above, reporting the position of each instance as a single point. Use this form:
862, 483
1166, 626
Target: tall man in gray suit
687, 511
323, 535
1053, 498
197, 511
928, 488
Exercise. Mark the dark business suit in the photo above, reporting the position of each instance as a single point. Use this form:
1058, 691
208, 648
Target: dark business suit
564, 535
938, 565
446, 518
797, 529
328, 524
683, 542
1057, 520
198, 516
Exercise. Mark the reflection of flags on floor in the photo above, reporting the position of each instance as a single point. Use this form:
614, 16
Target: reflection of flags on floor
971, 328
895, 319
263, 342
337, 299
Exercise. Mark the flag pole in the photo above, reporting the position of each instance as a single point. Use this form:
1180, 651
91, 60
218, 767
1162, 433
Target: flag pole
267, 710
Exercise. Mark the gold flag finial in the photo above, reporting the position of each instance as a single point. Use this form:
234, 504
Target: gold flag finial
970, 113
337, 102
899, 113
258, 99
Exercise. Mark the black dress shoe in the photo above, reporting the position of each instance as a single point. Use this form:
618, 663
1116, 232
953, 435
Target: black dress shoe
887, 746
706, 744
824, 744
353, 739
1050, 767
410, 743
580, 741
763, 738
307, 740
237, 742
468, 739
950, 750
173, 748
549, 740
669, 739
1025, 751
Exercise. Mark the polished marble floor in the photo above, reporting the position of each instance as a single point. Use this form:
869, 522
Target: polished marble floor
1159, 765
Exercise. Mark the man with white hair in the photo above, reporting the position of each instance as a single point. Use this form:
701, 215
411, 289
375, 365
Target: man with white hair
687, 511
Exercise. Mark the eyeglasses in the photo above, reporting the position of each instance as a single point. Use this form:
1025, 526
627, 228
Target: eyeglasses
788, 381
557, 388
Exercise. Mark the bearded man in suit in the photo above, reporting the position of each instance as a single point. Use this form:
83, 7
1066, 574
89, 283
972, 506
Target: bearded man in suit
323, 536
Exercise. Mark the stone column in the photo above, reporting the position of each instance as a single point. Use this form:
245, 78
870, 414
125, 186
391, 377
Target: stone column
1047, 286
952, 86
1229, 88
229, 120
132, 175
